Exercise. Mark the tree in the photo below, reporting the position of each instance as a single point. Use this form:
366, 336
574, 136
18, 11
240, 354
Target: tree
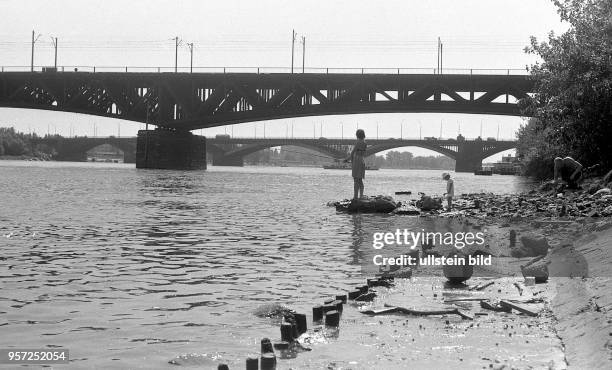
572, 107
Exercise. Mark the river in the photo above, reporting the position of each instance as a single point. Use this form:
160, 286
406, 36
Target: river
131, 268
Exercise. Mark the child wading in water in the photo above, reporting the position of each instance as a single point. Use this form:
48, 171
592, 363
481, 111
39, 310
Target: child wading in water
357, 158
450, 190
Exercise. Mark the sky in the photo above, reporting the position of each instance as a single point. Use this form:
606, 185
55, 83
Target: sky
478, 34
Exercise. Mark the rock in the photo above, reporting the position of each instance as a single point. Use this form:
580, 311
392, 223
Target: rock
519, 253
193, 359
402, 273
367, 297
427, 203
547, 186
406, 209
534, 245
458, 273
378, 204
494, 306
537, 268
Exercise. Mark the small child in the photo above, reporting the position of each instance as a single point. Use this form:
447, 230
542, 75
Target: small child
450, 190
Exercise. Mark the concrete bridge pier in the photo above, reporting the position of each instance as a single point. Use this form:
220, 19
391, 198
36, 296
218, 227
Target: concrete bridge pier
469, 157
170, 150
467, 164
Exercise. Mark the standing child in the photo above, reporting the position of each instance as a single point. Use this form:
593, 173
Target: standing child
357, 158
450, 190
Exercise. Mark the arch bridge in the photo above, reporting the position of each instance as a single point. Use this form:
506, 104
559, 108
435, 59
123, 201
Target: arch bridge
468, 154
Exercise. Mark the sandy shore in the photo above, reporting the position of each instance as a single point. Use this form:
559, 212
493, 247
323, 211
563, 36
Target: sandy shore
572, 329
583, 306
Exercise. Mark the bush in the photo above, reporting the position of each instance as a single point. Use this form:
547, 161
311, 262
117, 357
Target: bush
572, 105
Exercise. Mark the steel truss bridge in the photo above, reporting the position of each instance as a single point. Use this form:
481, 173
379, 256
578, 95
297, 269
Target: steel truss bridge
188, 101
180, 102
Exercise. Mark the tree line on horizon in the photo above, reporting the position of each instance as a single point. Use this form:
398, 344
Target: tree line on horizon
19, 144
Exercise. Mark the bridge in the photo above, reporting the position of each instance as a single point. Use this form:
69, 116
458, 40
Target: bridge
188, 101
227, 151
180, 102
468, 154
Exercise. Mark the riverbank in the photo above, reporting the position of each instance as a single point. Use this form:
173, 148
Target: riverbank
571, 329
27, 158
578, 228
592, 200
572, 323
563, 323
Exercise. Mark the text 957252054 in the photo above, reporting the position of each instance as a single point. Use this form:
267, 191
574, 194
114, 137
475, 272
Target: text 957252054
34, 356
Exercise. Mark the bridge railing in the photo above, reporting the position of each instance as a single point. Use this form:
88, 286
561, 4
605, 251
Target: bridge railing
267, 70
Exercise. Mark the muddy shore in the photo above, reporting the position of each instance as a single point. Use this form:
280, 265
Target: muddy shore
562, 323
571, 330
573, 326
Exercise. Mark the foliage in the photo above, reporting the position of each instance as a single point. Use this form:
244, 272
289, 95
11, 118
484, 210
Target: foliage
13, 143
572, 107
395, 159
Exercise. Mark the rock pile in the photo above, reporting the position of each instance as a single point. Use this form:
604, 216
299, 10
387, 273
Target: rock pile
592, 201
376, 204
550, 200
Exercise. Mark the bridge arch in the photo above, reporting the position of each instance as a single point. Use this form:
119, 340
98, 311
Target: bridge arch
450, 150
236, 155
75, 149
374, 149
252, 148
487, 152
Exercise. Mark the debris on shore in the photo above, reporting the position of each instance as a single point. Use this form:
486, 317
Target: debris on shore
543, 225
550, 200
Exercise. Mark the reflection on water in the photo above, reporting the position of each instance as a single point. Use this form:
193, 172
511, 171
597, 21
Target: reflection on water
124, 259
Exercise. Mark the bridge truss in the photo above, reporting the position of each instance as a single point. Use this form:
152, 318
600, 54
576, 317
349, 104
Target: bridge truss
186, 101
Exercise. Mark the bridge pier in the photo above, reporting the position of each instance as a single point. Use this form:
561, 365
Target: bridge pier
170, 150
467, 164
469, 157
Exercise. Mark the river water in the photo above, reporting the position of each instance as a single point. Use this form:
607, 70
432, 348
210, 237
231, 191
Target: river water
132, 268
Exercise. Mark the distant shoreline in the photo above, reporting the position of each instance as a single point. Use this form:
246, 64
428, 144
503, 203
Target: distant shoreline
28, 158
